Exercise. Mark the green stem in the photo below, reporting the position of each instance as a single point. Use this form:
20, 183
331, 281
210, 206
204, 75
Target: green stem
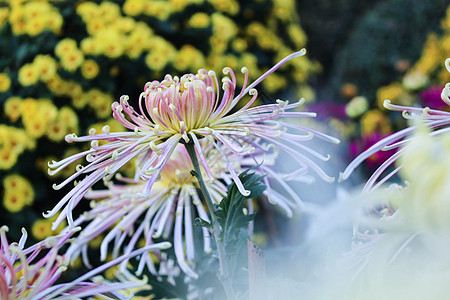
217, 230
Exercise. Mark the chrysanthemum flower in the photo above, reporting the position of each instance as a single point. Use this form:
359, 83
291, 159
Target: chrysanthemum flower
185, 110
438, 120
171, 207
31, 273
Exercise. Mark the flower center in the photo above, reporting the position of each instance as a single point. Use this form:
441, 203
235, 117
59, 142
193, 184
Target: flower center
184, 104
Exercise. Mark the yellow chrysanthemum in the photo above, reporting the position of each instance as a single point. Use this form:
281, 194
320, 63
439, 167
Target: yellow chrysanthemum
72, 60
228, 6
375, 120
95, 26
223, 27
239, 45
89, 45
158, 9
133, 7
89, 69
87, 10
188, 58
18, 192
72, 88
35, 127
156, 60
13, 202
12, 108
100, 102
5, 82
4, 11
54, 21
65, 46
56, 85
28, 75
8, 158
297, 35
41, 229
275, 83
109, 11
112, 43
431, 56
391, 92
46, 66
125, 24
68, 117
35, 25
56, 131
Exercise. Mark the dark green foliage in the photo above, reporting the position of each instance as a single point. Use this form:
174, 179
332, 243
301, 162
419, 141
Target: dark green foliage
234, 227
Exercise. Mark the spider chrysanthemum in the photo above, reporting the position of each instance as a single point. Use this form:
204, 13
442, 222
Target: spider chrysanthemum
33, 272
184, 110
130, 221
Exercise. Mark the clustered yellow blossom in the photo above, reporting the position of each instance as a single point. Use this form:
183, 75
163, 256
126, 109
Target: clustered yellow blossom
5, 82
394, 92
40, 117
42, 228
13, 142
18, 193
114, 34
33, 17
43, 68
70, 56
375, 121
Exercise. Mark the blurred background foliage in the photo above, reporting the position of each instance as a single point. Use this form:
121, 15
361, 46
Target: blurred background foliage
63, 63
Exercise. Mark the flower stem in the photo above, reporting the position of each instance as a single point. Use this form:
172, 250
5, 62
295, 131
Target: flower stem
224, 274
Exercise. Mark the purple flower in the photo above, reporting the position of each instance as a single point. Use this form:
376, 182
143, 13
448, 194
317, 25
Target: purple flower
431, 97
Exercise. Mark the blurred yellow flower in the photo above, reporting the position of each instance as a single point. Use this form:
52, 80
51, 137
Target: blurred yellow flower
35, 25
28, 75
189, 58
41, 229
391, 92
18, 192
199, 20
95, 26
46, 66
297, 35
56, 131
431, 56
133, 7
90, 45
72, 60
8, 158
89, 69
12, 108
375, 120
4, 11
158, 9
5, 82
275, 83
65, 46
223, 26
228, 6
